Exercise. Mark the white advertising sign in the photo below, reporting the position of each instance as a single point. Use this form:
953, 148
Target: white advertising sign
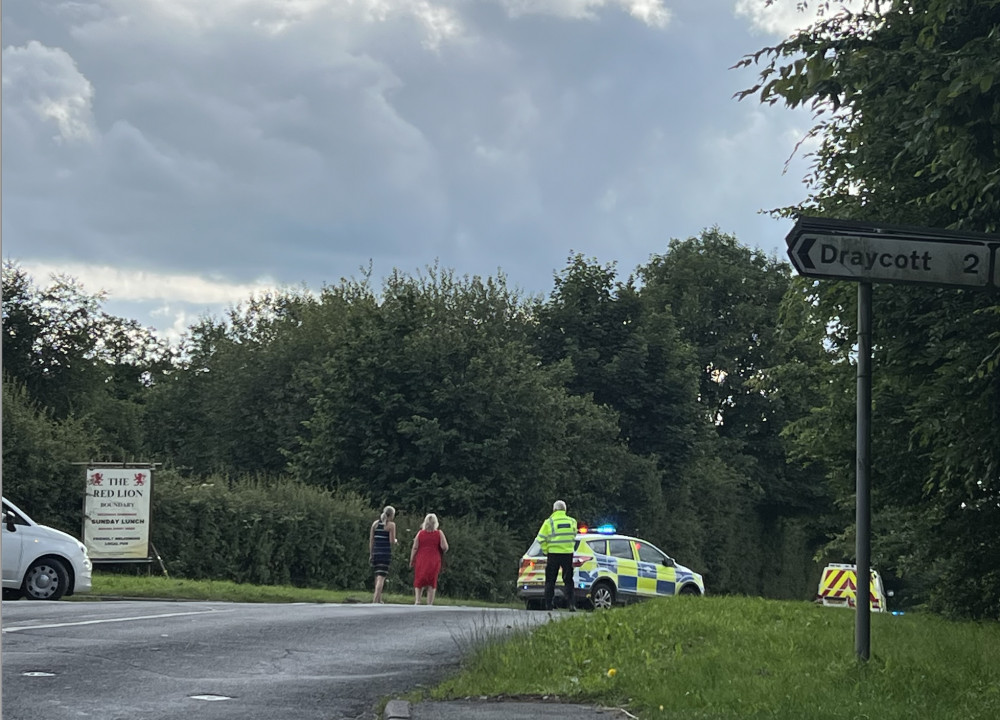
116, 513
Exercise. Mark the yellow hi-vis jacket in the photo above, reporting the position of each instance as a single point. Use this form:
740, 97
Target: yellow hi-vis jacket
558, 533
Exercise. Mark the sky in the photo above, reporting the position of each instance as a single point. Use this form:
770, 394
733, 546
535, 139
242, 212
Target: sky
181, 155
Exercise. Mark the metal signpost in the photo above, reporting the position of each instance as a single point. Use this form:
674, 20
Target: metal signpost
868, 253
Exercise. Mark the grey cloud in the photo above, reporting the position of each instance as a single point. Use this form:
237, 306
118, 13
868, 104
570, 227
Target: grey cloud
221, 145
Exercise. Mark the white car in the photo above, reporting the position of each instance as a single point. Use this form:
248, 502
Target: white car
39, 562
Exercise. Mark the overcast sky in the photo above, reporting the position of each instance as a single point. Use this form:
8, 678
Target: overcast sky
180, 154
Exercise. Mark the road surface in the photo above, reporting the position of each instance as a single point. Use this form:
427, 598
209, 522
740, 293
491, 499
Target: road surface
208, 661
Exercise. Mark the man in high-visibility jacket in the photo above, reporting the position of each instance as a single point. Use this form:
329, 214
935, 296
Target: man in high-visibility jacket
557, 538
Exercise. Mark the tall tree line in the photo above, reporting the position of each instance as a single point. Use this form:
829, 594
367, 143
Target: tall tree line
457, 395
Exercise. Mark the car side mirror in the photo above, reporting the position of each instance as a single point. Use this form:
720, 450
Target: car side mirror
669, 562
8, 520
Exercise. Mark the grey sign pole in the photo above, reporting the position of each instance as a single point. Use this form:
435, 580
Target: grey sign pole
862, 623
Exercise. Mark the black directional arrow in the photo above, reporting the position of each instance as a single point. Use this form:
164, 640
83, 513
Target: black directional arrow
803, 253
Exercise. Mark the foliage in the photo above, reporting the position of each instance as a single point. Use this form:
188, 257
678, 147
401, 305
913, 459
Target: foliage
624, 353
907, 118
281, 532
78, 361
457, 396
682, 361
433, 397
907, 109
237, 399
726, 300
38, 455
262, 531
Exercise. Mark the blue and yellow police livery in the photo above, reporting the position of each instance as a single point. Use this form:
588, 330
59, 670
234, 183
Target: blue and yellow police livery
609, 569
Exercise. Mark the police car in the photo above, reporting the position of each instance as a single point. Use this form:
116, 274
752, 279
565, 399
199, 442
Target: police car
608, 569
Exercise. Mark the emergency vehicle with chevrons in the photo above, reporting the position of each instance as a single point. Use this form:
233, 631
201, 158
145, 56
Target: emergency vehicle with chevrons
838, 587
608, 569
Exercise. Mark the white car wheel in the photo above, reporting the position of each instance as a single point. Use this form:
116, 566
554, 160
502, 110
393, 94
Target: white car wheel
46, 579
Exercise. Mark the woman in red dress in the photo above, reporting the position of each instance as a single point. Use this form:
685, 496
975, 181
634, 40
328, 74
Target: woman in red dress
429, 546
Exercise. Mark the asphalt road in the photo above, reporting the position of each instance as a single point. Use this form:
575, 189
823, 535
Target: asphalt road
208, 661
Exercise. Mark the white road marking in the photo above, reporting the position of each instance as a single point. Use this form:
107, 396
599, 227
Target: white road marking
109, 620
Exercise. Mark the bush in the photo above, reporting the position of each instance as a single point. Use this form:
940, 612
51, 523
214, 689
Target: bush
39, 453
280, 532
260, 531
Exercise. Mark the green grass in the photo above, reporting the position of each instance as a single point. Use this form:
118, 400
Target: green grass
745, 658
112, 586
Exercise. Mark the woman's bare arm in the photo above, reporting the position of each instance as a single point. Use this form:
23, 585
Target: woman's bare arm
444, 542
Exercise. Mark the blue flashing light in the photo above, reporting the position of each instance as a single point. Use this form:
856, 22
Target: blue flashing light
606, 529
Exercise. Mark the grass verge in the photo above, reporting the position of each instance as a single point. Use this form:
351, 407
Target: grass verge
745, 658
114, 586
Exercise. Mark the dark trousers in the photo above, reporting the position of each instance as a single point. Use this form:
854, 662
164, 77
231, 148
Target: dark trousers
555, 561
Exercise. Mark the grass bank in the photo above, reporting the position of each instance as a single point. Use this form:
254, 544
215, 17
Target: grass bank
116, 586
745, 658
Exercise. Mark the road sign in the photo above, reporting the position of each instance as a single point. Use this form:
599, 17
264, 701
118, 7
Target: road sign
852, 251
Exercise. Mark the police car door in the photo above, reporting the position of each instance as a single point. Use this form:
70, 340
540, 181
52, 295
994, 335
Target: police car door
657, 575
626, 567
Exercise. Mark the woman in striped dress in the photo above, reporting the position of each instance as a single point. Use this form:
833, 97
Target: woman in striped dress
381, 538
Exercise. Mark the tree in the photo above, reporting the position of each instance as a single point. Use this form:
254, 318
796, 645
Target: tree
908, 113
726, 298
754, 505
38, 456
236, 400
432, 400
907, 108
625, 353
680, 359
76, 360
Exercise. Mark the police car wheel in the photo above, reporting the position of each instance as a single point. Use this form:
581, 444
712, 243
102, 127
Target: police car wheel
689, 590
602, 596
